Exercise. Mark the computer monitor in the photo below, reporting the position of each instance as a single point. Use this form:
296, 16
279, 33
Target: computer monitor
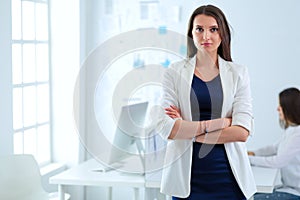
127, 137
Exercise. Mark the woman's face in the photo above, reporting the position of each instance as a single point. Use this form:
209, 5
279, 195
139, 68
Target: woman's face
281, 115
206, 33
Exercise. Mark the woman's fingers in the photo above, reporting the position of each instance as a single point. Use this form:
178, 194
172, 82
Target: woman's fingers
169, 109
173, 111
175, 108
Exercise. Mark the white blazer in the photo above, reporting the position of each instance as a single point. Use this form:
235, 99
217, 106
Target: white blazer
236, 104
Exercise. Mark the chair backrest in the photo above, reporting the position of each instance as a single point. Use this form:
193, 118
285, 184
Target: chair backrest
20, 178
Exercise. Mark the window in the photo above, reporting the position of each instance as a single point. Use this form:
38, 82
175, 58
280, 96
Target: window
31, 82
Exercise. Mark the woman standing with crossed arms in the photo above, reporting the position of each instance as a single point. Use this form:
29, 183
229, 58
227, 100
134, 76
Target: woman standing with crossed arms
207, 117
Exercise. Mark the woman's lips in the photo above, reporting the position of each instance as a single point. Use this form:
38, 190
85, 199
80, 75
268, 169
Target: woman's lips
206, 44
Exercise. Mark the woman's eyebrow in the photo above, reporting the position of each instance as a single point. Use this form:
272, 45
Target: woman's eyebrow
212, 26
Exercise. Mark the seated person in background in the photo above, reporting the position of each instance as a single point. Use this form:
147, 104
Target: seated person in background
285, 154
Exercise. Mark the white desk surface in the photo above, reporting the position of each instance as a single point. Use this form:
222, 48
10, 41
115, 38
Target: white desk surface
84, 175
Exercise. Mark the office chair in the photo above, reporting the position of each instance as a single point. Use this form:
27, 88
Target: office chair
20, 178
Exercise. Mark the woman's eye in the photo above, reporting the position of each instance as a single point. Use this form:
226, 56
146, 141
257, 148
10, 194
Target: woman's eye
199, 29
215, 29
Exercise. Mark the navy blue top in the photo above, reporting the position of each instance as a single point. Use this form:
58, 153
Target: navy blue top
211, 176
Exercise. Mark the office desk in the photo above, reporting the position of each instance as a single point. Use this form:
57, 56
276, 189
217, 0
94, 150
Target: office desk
84, 175
265, 179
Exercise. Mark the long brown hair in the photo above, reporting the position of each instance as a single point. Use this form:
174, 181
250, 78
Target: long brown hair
289, 100
224, 31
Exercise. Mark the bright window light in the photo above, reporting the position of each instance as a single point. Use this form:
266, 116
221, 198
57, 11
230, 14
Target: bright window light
31, 82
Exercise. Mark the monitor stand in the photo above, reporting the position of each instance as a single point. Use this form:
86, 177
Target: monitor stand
113, 166
120, 164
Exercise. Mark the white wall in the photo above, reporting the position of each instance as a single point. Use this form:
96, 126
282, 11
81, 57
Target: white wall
6, 127
65, 61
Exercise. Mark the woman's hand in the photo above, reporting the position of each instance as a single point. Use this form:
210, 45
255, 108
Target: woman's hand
217, 124
173, 112
251, 153
227, 122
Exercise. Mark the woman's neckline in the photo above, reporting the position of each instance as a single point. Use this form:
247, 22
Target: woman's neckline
208, 81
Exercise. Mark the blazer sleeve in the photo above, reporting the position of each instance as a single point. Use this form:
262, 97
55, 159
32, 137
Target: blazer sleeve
242, 104
162, 122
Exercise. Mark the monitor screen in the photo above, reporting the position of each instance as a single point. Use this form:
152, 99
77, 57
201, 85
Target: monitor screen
128, 134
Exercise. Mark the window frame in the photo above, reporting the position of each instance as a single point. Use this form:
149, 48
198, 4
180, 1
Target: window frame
36, 83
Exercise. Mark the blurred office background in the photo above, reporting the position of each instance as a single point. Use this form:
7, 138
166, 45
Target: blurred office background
45, 42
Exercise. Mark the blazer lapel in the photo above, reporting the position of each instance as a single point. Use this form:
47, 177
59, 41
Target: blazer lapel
227, 86
186, 77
